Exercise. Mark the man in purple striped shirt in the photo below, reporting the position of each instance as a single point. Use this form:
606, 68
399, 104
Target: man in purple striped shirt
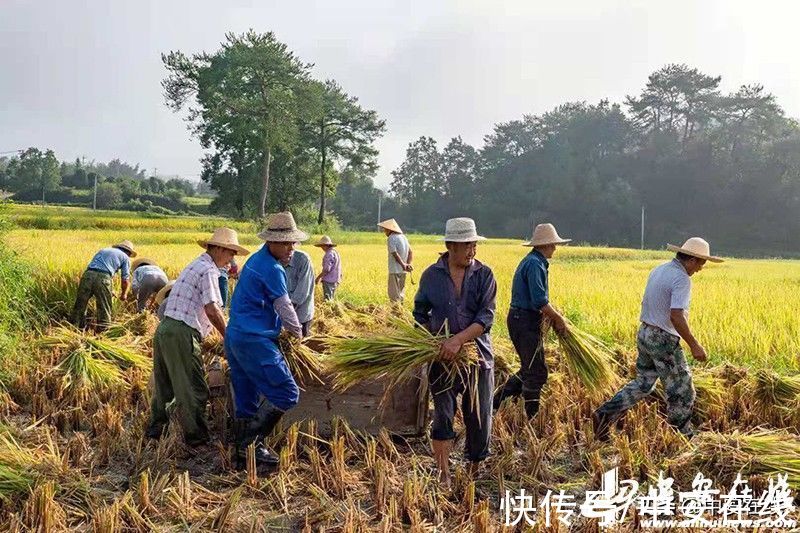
331, 274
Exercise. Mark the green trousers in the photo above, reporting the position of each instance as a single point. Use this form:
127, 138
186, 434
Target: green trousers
98, 285
178, 375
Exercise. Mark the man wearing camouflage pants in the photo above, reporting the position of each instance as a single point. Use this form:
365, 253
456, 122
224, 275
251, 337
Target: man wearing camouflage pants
663, 325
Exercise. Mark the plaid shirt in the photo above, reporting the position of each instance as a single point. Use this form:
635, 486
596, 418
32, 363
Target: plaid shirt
196, 287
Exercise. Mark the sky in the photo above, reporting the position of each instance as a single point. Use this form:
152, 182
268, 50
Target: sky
83, 77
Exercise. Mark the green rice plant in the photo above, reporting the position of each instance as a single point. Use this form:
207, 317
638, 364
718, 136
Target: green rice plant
396, 356
589, 360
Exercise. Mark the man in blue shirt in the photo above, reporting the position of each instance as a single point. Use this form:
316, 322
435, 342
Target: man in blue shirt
458, 293
259, 309
530, 303
96, 283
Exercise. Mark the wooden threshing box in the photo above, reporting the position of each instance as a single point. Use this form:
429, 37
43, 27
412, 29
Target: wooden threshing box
405, 410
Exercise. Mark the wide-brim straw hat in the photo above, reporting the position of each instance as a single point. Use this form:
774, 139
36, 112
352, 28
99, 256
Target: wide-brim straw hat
461, 229
127, 246
141, 262
544, 234
224, 238
281, 227
164, 292
325, 241
696, 247
391, 225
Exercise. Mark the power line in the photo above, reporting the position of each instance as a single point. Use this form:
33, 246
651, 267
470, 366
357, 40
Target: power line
12, 151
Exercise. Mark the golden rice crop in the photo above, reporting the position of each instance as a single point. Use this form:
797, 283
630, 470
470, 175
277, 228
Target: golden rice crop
304, 362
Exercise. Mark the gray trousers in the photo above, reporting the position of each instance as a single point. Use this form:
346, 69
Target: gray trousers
329, 290
149, 286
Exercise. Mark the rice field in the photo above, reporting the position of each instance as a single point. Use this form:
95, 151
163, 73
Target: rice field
745, 311
73, 410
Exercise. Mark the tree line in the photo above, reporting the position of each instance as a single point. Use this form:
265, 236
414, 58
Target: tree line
37, 175
697, 160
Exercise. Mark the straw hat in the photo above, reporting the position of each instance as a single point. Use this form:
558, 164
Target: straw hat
391, 225
544, 234
461, 229
141, 262
164, 292
224, 238
325, 241
281, 227
696, 247
126, 246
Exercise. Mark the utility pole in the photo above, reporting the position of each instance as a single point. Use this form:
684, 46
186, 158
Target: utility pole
642, 226
380, 196
94, 198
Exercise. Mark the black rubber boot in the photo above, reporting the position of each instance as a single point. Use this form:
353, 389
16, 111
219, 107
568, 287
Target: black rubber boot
256, 430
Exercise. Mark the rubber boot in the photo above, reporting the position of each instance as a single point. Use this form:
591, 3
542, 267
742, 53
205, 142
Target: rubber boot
256, 430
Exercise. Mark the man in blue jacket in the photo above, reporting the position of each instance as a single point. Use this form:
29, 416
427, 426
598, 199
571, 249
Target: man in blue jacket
263, 385
458, 293
530, 303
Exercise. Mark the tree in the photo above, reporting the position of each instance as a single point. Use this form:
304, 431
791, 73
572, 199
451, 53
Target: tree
341, 132
36, 170
243, 98
108, 195
677, 99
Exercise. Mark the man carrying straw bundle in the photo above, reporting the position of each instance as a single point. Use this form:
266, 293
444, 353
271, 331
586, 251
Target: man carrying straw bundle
400, 257
259, 309
663, 325
96, 283
457, 295
193, 308
530, 304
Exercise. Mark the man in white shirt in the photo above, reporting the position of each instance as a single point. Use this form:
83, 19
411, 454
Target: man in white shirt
400, 257
663, 324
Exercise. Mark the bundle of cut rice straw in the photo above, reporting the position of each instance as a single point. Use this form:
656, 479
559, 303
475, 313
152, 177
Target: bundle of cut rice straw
590, 360
394, 355
304, 362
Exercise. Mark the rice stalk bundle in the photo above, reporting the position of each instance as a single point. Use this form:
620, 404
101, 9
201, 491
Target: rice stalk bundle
13, 482
302, 360
712, 394
395, 356
766, 453
90, 363
68, 338
81, 372
138, 325
589, 360
772, 390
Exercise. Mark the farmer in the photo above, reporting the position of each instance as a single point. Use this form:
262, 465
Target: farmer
148, 279
400, 257
331, 274
300, 283
161, 299
663, 324
96, 283
231, 270
192, 310
260, 307
458, 293
530, 304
